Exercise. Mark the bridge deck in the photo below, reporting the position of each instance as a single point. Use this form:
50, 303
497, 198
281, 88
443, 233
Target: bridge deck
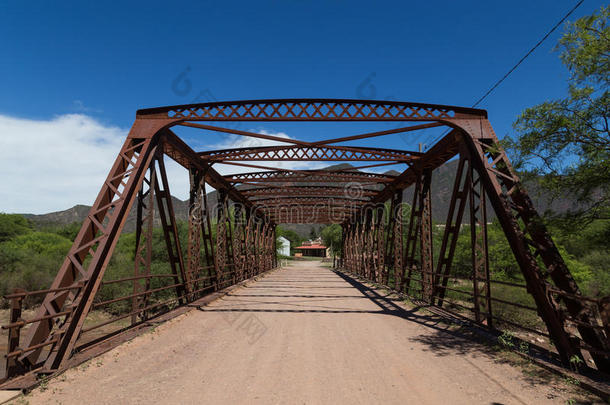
301, 335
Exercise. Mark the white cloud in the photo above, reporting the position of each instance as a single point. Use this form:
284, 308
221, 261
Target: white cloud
52, 165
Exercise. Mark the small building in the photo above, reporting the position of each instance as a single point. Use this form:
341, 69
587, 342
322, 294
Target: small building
283, 247
312, 248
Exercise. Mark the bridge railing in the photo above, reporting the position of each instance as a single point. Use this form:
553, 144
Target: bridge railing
505, 307
106, 319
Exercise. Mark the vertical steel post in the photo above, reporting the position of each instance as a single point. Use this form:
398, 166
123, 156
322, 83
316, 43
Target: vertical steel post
425, 233
238, 242
208, 243
170, 230
397, 240
274, 264
143, 248
229, 243
480, 257
461, 189
257, 251
347, 230
250, 253
382, 275
361, 247
221, 238
13, 367
369, 243
195, 227
412, 235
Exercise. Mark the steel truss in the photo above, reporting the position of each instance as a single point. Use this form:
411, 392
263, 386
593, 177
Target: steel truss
308, 191
233, 239
312, 153
310, 176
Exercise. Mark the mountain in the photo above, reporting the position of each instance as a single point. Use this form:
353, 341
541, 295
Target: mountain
79, 212
442, 186
74, 214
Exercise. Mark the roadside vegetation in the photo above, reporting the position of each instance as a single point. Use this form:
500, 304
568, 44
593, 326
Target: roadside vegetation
31, 254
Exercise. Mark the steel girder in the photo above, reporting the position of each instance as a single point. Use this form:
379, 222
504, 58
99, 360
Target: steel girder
308, 176
309, 217
459, 197
357, 192
317, 201
396, 247
143, 250
244, 241
309, 153
239, 242
311, 110
221, 255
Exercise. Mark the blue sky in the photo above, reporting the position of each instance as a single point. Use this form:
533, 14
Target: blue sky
100, 63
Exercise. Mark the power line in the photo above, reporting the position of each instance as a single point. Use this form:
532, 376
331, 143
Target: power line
528, 53
520, 61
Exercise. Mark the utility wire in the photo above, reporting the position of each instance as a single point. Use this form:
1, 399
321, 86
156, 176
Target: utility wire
528, 53
520, 61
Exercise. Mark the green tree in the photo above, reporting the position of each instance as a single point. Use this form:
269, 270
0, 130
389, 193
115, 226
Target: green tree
278, 233
598, 283
31, 260
568, 140
331, 235
68, 230
312, 233
12, 225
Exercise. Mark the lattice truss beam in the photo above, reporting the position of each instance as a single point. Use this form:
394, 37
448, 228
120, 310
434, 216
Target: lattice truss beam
233, 237
311, 153
308, 176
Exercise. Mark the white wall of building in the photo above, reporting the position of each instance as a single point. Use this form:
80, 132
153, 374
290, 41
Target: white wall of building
284, 248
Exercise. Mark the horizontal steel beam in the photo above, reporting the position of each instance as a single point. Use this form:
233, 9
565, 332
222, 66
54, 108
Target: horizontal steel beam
307, 153
307, 207
309, 176
329, 191
311, 110
335, 201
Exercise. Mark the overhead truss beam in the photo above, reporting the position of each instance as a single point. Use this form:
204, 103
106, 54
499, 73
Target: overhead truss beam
309, 153
308, 176
311, 110
304, 191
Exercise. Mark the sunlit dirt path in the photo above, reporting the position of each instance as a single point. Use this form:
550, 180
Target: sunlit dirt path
305, 335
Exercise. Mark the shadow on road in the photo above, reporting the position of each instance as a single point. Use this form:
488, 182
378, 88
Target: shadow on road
441, 336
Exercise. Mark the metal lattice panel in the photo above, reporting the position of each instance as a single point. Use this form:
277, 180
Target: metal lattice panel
309, 153
309, 176
311, 110
356, 191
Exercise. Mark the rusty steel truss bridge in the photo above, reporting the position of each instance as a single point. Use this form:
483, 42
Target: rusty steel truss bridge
385, 239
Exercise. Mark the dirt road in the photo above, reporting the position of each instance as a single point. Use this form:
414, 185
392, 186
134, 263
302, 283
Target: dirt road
300, 335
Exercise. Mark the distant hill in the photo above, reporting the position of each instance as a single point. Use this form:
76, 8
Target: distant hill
79, 212
74, 214
442, 185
